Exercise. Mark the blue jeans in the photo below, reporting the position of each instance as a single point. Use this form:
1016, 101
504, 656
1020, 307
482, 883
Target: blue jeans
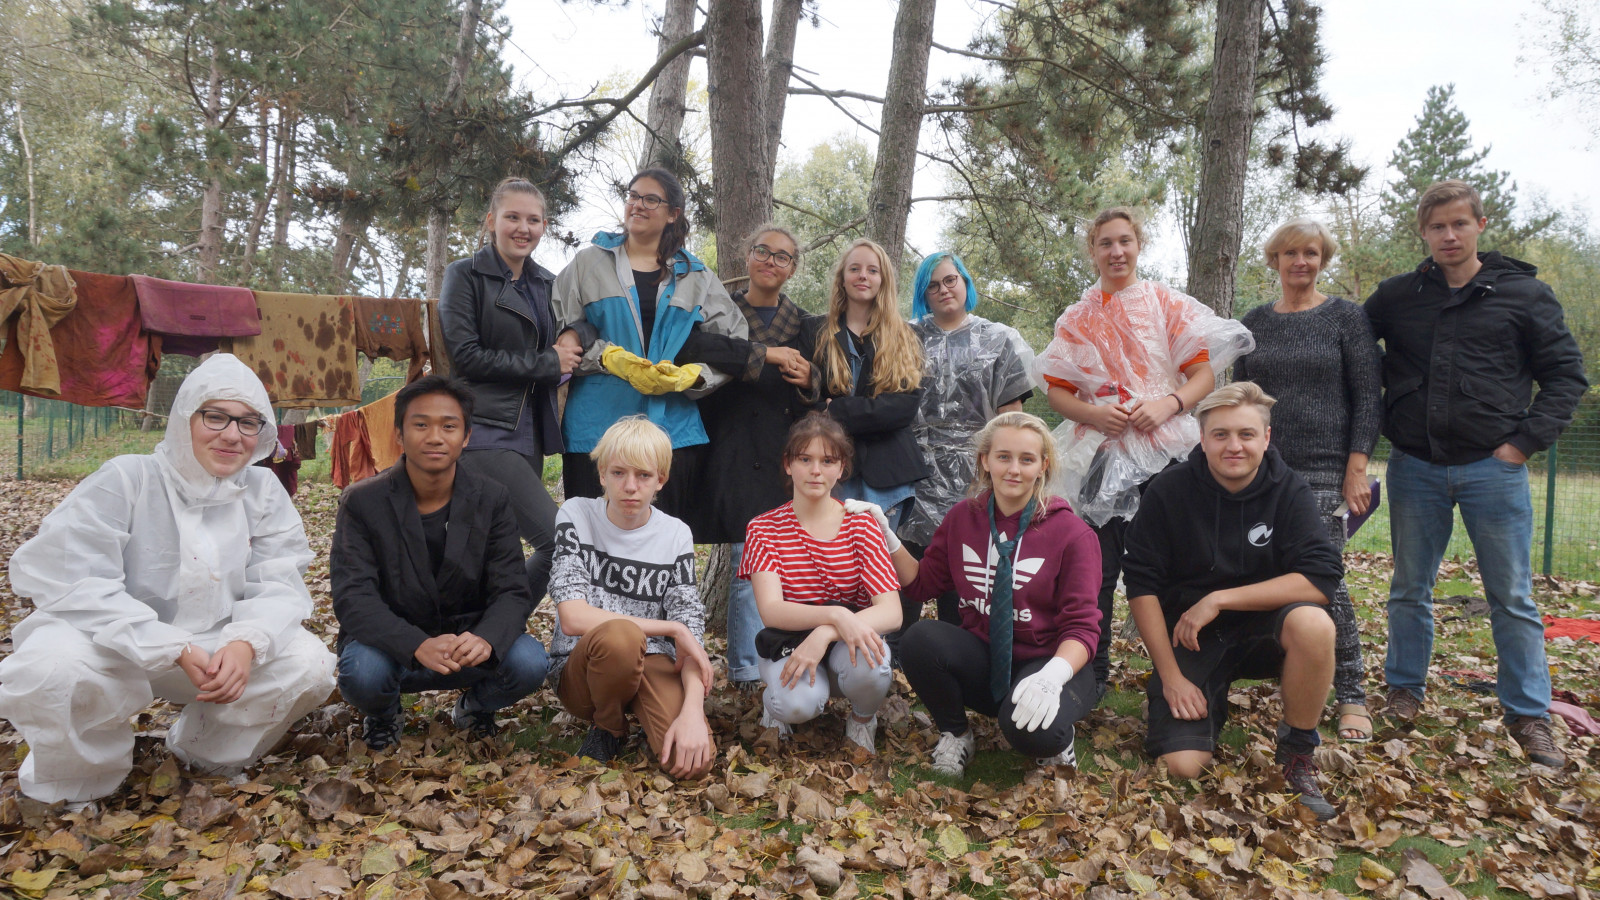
743, 624
1498, 512
372, 681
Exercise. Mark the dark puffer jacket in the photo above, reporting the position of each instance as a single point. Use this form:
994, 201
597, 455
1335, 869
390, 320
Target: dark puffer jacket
1459, 366
498, 347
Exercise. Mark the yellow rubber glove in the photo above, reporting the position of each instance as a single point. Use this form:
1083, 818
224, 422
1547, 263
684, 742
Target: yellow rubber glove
646, 377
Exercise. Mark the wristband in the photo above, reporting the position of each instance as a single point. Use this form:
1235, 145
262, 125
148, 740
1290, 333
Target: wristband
1174, 395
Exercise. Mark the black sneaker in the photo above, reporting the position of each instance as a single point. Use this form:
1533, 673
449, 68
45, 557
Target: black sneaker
1533, 733
380, 732
1300, 773
478, 721
600, 745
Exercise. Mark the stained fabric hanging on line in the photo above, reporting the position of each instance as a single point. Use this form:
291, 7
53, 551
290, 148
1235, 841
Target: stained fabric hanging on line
103, 356
38, 296
193, 318
381, 435
392, 329
350, 449
306, 352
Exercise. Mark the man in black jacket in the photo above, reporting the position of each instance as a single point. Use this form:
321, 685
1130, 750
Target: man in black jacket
1465, 337
428, 579
1229, 573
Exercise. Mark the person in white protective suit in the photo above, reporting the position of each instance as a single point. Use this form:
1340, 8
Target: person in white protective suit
1126, 367
175, 575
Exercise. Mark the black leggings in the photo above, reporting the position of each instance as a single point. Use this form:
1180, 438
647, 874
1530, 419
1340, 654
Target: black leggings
523, 478
948, 667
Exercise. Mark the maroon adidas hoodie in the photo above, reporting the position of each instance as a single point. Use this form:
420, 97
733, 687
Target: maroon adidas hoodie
1056, 575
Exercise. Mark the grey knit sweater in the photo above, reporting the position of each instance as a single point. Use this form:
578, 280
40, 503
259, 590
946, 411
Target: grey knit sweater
1322, 366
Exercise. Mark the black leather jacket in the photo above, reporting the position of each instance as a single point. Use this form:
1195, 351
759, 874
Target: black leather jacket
497, 347
1459, 366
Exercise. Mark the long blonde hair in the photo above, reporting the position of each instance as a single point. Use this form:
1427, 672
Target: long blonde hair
897, 360
984, 442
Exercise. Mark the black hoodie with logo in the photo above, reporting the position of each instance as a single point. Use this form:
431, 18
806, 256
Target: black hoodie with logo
1191, 536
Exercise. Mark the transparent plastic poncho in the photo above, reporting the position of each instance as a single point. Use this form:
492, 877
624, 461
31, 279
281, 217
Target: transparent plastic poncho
1130, 348
968, 373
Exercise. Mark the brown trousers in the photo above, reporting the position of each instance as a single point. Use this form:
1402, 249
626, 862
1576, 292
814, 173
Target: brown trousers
610, 674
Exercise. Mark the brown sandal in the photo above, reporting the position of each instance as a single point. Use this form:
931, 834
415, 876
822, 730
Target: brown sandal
1357, 734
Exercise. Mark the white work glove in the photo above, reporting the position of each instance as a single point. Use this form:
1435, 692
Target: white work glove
862, 506
1037, 698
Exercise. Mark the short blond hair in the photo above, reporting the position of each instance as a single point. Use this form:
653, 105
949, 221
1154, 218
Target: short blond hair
1301, 232
1126, 213
1238, 393
635, 441
1444, 193
1021, 421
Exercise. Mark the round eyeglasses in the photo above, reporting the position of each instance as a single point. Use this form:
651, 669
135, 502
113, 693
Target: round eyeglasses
217, 420
648, 201
779, 258
951, 283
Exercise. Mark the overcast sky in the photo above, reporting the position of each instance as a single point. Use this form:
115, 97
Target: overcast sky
1383, 56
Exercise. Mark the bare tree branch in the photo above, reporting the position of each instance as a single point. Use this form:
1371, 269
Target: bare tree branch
595, 126
819, 92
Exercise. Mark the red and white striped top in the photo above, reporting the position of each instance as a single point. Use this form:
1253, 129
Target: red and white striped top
851, 569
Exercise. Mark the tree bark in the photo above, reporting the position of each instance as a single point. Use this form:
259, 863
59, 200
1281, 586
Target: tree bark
740, 175
889, 202
27, 158
211, 200
439, 216
715, 583
779, 63
283, 204
352, 228
258, 217
1225, 154
663, 141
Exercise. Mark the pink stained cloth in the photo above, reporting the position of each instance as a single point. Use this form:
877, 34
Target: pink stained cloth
104, 357
195, 315
1579, 722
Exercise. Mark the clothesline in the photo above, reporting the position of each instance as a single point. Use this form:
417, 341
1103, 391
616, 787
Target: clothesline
97, 340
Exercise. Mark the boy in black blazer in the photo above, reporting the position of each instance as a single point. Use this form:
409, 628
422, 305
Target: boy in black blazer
428, 579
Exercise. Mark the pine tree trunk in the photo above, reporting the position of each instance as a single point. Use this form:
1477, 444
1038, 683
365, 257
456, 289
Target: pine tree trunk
258, 218
438, 248
715, 582
283, 205
211, 199
889, 202
1225, 154
739, 170
440, 215
663, 143
779, 64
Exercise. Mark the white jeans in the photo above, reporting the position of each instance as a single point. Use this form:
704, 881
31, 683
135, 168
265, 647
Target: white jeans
866, 686
71, 700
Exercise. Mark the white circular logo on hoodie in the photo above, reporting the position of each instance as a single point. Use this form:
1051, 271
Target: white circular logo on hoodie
1260, 534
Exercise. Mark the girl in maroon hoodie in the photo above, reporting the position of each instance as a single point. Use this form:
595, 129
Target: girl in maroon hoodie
1041, 683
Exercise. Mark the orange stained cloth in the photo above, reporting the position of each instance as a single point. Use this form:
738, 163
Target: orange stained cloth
381, 436
39, 296
1588, 629
306, 352
392, 328
351, 449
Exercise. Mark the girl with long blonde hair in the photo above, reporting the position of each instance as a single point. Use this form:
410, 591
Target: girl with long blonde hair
869, 366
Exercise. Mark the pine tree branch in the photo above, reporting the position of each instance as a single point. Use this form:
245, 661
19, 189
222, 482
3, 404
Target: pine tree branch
820, 92
1075, 73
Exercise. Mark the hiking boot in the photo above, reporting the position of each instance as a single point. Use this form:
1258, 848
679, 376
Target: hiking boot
380, 732
864, 734
1300, 774
478, 721
600, 745
1401, 704
1533, 733
953, 752
1067, 757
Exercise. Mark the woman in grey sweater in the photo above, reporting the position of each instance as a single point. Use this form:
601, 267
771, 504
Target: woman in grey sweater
1316, 355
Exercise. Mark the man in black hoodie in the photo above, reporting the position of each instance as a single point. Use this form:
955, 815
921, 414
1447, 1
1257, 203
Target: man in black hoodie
1465, 336
1229, 573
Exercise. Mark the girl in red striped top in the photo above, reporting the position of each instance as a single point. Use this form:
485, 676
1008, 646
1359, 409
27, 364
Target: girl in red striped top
824, 574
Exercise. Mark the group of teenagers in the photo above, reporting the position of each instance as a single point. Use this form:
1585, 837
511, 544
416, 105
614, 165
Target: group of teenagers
861, 466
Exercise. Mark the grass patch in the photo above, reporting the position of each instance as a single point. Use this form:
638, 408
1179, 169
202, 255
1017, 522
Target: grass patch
1445, 858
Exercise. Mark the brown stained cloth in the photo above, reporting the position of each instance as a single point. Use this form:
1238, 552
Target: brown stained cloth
305, 439
306, 352
392, 329
350, 448
103, 357
39, 296
438, 353
381, 436
610, 674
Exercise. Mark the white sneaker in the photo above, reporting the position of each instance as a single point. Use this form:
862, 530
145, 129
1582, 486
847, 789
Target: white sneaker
768, 720
1067, 757
952, 753
864, 734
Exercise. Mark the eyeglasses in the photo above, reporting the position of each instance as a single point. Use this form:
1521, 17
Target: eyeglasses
762, 253
217, 420
648, 201
949, 282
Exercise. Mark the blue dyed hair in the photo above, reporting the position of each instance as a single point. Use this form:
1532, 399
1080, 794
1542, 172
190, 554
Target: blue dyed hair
919, 287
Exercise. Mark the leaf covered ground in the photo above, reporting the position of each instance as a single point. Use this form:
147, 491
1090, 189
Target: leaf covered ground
1445, 810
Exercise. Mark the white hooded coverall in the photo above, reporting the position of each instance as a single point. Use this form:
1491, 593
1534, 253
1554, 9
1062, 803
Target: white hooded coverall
147, 555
